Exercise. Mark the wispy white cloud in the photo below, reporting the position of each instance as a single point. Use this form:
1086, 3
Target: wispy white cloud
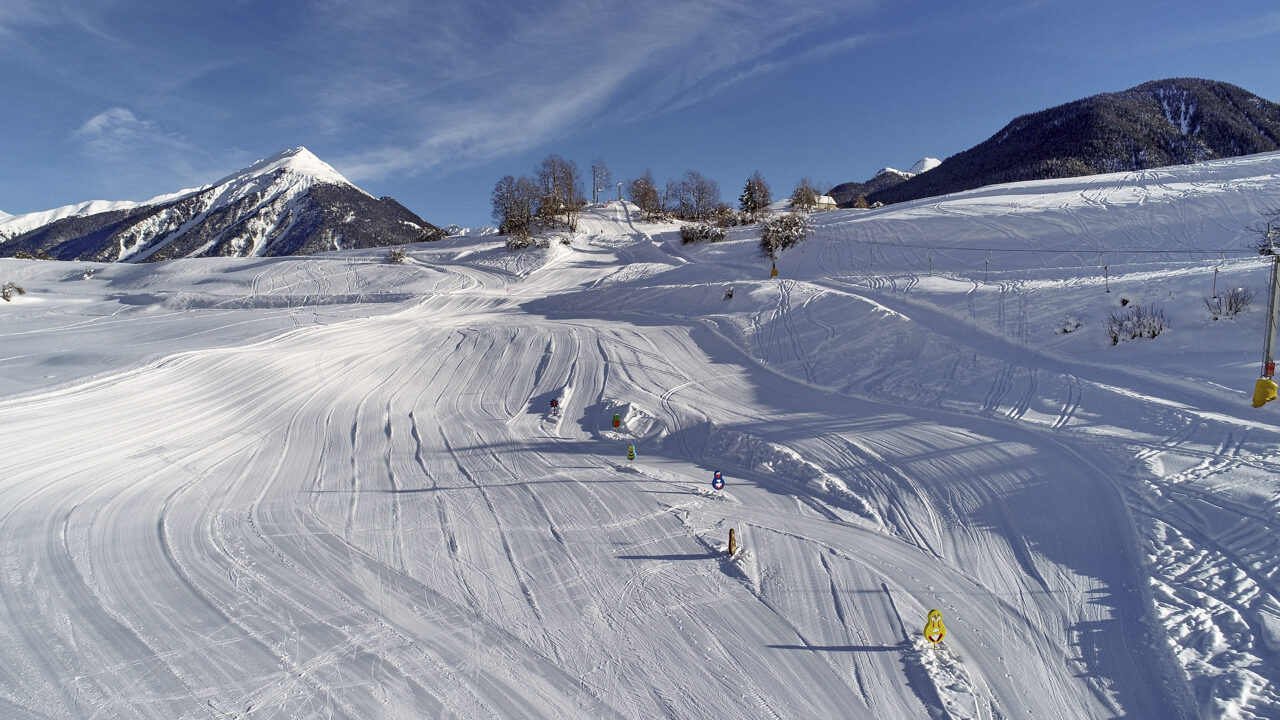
399, 87
470, 83
17, 15
139, 153
118, 133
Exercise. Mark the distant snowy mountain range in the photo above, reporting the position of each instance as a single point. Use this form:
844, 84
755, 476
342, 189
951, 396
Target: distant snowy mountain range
291, 203
846, 194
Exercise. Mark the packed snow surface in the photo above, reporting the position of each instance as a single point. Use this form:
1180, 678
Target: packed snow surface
335, 486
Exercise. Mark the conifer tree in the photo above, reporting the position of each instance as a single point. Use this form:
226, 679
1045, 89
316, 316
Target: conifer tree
755, 197
805, 197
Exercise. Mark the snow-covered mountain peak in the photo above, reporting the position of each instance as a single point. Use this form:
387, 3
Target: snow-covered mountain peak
299, 161
924, 165
890, 171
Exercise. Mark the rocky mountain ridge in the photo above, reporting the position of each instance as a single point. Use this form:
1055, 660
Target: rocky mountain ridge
291, 203
1156, 124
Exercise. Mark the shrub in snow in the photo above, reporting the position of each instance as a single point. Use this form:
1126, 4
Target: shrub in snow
520, 242
8, 289
727, 217
395, 255
1135, 321
39, 255
780, 232
700, 232
1068, 324
1234, 302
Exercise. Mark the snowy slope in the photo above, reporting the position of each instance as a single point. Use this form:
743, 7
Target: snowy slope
335, 487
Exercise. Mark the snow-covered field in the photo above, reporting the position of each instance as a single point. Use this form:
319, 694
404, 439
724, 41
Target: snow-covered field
335, 487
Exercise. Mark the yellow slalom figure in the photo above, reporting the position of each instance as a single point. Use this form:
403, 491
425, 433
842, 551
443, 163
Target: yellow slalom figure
631, 452
934, 630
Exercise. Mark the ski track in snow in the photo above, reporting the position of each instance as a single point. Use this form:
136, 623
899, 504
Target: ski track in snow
377, 514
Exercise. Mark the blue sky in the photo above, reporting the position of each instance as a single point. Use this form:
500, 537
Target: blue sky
432, 102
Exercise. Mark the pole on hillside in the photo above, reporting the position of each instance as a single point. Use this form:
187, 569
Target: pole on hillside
1268, 345
1264, 391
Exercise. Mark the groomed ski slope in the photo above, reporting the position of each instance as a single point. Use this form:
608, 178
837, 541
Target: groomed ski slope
334, 487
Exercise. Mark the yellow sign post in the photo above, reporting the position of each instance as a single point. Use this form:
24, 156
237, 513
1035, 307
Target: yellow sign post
1264, 391
934, 630
631, 452
733, 543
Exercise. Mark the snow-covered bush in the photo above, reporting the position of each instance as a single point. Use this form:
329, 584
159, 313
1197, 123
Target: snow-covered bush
780, 232
1234, 302
1068, 324
727, 217
395, 255
9, 288
1135, 321
700, 232
520, 242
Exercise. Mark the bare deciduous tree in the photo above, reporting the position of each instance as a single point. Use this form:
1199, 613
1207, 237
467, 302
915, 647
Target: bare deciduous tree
514, 205
694, 196
644, 193
559, 184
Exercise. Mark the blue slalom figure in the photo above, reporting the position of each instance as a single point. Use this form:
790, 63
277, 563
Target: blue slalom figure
717, 481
